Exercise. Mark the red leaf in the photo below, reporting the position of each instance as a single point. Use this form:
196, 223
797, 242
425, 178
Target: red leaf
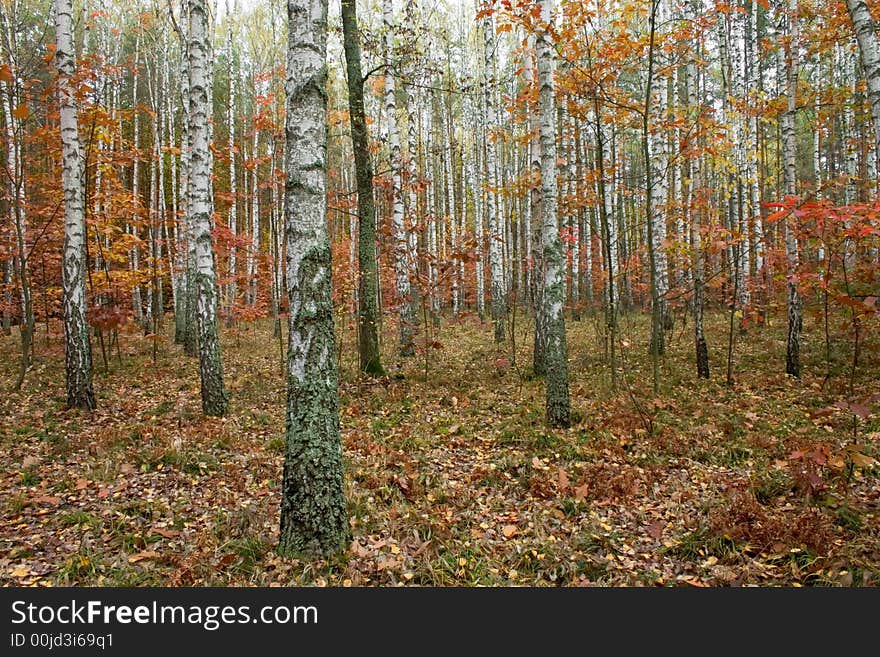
861, 411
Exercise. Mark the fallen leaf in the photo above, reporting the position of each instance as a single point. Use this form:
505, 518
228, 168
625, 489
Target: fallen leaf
861, 411
359, 550
48, 499
655, 529
148, 554
862, 460
564, 481
509, 531
167, 533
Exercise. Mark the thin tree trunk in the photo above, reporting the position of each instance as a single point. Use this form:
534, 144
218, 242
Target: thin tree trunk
789, 138
78, 353
556, 357
496, 236
214, 398
368, 340
405, 308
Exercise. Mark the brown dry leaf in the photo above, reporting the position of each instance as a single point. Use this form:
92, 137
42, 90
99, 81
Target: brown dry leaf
581, 492
359, 550
141, 556
226, 560
862, 460
564, 481
509, 531
167, 533
82, 484
388, 563
49, 500
655, 529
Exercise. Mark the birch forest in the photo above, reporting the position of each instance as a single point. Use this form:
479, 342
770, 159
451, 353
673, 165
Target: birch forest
440, 293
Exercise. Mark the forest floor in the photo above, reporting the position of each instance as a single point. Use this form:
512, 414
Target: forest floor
454, 480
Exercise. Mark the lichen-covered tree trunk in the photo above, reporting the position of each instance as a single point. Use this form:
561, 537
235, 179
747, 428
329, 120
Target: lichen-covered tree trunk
405, 310
214, 399
78, 353
368, 336
556, 355
313, 515
789, 146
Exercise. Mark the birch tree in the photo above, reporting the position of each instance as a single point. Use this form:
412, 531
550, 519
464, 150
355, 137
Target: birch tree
199, 200
313, 515
869, 51
496, 236
405, 308
77, 348
553, 301
789, 155
17, 263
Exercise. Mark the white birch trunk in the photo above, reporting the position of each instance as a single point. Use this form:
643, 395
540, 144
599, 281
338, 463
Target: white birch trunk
789, 139
313, 515
556, 356
214, 399
496, 236
405, 313
869, 51
78, 354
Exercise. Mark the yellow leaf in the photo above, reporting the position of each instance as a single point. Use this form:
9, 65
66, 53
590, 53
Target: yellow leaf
862, 460
21, 571
21, 112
